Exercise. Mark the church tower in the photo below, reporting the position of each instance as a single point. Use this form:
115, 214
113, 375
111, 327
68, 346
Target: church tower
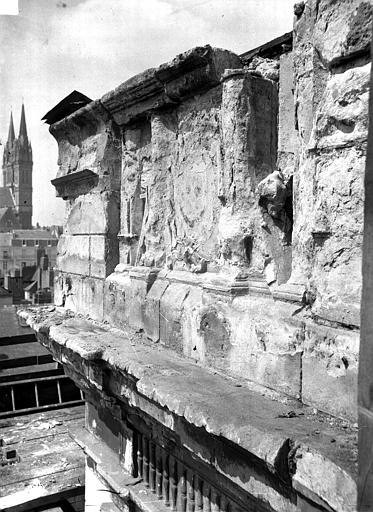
8, 157
17, 171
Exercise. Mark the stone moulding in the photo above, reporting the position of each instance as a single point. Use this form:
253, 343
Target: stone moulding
188, 74
291, 292
122, 367
81, 123
226, 284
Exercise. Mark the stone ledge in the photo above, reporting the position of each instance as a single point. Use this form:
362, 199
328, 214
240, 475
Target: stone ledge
255, 423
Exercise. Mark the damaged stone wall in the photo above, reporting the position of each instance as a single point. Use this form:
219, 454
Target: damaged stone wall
216, 205
89, 180
188, 196
331, 77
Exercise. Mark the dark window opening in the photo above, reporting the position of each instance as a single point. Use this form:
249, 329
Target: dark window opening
5, 399
48, 393
24, 396
248, 248
288, 207
69, 391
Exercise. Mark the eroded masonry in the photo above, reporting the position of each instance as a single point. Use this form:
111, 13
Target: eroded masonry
209, 275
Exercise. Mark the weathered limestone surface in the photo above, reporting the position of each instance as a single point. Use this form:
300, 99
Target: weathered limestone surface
329, 368
365, 396
235, 217
332, 125
266, 68
287, 135
214, 223
181, 396
89, 179
249, 144
252, 337
82, 294
343, 30
331, 78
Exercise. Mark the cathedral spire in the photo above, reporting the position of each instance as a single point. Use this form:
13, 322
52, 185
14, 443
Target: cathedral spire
22, 126
11, 135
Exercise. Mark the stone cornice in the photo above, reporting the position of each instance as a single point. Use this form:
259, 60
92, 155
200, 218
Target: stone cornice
188, 74
82, 123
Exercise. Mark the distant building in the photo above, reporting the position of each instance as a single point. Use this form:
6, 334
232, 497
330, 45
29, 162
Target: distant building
6, 298
40, 289
27, 258
24, 248
16, 192
21, 247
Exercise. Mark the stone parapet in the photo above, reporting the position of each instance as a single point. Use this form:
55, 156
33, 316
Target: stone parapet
257, 451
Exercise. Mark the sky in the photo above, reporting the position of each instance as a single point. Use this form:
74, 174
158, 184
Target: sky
55, 46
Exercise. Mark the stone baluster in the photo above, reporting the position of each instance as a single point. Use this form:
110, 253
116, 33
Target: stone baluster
139, 455
145, 445
215, 500
181, 488
173, 482
152, 466
158, 472
206, 493
166, 478
198, 497
190, 477
224, 504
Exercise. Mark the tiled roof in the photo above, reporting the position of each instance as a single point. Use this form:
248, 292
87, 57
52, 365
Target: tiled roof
33, 234
3, 211
74, 101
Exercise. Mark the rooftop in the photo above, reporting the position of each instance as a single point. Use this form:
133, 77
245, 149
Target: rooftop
11, 324
271, 49
32, 234
72, 102
47, 463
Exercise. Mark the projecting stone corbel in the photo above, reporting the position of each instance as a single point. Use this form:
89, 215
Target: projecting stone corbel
75, 183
